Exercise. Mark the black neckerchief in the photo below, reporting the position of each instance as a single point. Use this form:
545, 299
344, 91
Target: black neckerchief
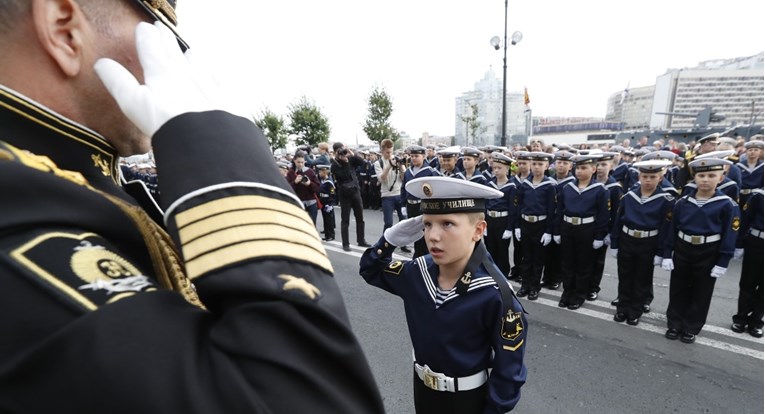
480, 256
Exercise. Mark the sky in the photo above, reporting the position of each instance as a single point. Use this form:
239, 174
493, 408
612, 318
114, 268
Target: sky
425, 53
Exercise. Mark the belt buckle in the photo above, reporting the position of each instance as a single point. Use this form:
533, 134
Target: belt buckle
532, 219
575, 221
697, 239
639, 234
430, 379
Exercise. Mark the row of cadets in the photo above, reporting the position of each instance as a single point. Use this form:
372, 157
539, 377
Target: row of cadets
431, 160
698, 249
328, 199
417, 169
641, 225
750, 245
448, 160
536, 215
751, 170
470, 172
581, 226
521, 173
501, 212
562, 176
727, 186
615, 192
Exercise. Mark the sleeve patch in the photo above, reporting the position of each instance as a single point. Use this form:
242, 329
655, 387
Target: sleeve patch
512, 326
394, 267
736, 224
83, 270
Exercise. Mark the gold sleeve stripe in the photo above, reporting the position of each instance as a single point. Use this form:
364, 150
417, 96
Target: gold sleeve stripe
253, 232
253, 250
234, 203
223, 221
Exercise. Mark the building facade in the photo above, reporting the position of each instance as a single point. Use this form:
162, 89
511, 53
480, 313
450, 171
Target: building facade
632, 110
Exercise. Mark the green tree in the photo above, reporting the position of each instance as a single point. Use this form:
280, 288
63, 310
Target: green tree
307, 123
274, 129
472, 126
377, 125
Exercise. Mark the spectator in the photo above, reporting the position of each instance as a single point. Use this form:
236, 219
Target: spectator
390, 173
303, 180
348, 188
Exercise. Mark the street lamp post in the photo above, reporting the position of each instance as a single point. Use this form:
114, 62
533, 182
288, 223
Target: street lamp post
495, 41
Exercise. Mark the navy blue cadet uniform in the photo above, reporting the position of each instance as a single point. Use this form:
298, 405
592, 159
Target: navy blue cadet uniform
100, 315
582, 217
432, 162
515, 269
615, 193
328, 199
639, 231
500, 217
413, 203
552, 272
751, 177
463, 335
750, 296
702, 235
536, 216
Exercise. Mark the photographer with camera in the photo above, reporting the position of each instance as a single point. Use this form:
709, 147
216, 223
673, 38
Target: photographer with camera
343, 169
390, 173
303, 180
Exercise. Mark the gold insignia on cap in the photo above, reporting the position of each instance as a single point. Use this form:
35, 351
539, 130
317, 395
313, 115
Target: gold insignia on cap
427, 189
736, 224
298, 283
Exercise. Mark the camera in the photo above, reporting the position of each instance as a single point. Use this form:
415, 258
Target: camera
303, 179
396, 160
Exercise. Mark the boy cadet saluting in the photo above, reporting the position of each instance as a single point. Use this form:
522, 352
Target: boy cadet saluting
467, 327
640, 226
700, 245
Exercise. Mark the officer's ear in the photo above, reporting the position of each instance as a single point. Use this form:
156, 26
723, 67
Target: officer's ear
59, 25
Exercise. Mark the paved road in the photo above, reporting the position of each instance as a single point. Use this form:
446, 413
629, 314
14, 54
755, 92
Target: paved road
580, 361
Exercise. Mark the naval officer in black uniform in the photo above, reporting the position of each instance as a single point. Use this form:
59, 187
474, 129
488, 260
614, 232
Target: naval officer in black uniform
99, 311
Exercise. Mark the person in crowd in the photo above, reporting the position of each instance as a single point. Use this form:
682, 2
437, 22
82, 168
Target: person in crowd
641, 224
470, 158
343, 169
417, 169
552, 272
582, 222
431, 159
535, 218
749, 245
328, 199
306, 185
467, 328
700, 245
214, 309
363, 172
322, 158
727, 186
615, 191
522, 171
501, 213
448, 161
375, 202
751, 170
390, 172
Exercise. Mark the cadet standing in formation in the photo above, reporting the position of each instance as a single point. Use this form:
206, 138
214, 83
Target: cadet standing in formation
749, 245
501, 213
101, 315
417, 169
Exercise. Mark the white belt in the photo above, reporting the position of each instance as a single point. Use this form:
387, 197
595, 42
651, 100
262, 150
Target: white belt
414, 201
640, 234
440, 382
746, 191
756, 233
533, 219
309, 203
496, 213
698, 239
578, 220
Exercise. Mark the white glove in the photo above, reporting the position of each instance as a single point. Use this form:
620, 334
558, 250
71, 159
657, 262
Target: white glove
718, 271
597, 244
405, 232
172, 86
738, 253
667, 264
546, 239
507, 234
657, 260
613, 252
327, 209
556, 239
607, 240
403, 212
518, 234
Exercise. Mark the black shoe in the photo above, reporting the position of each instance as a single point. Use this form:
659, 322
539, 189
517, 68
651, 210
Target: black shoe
737, 327
646, 308
347, 248
406, 249
554, 285
328, 238
615, 302
620, 317
688, 338
592, 296
755, 332
364, 244
562, 304
514, 276
633, 322
533, 295
575, 306
523, 292
672, 334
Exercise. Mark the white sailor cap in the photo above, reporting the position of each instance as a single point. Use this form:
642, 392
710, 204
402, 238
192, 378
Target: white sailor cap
322, 167
709, 138
449, 152
659, 155
708, 164
283, 164
537, 156
446, 195
753, 144
563, 155
585, 159
501, 158
471, 152
652, 166
716, 154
